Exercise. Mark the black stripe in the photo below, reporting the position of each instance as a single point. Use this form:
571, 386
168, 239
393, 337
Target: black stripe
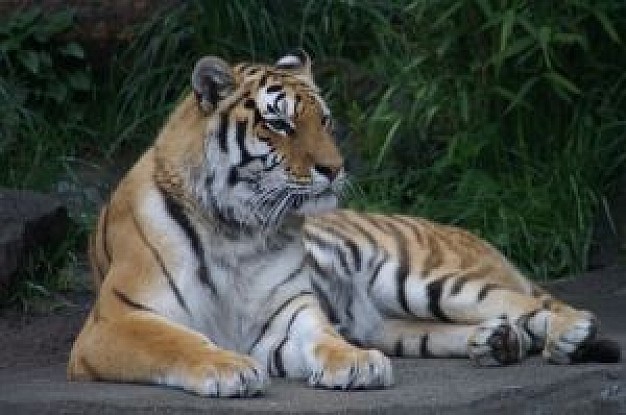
536, 341
276, 312
222, 134
402, 272
274, 88
458, 285
432, 261
94, 375
289, 66
105, 239
293, 274
487, 288
233, 177
329, 246
435, 290
398, 348
321, 295
257, 119
346, 220
369, 219
324, 302
164, 270
376, 272
133, 304
317, 268
278, 358
356, 254
424, 352
349, 243
548, 303
176, 211
412, 226
241, 127
98, 267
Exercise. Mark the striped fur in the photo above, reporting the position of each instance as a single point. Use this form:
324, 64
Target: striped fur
220, 259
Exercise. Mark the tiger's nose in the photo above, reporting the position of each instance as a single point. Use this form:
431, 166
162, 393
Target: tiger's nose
330, 172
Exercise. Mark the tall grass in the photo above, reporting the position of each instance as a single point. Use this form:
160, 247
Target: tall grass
502, 116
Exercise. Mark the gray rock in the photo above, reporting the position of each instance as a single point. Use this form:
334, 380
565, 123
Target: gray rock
27, 220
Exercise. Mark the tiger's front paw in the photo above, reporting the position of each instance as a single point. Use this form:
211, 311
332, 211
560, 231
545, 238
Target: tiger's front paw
568, 334
222, 373
497, 342
338, 365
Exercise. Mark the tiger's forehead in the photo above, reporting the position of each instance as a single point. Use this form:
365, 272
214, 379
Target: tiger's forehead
266, 75
278, 92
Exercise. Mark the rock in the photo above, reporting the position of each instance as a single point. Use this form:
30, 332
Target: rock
27, 220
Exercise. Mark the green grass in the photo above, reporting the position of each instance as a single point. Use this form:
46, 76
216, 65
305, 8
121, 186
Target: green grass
506, 117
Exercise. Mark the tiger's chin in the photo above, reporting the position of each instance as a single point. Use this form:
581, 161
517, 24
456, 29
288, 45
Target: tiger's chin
324, 203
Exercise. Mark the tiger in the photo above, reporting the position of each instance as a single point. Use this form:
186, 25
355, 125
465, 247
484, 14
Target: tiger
222, 259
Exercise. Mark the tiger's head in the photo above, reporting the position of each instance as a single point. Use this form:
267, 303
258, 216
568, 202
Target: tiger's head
269, 146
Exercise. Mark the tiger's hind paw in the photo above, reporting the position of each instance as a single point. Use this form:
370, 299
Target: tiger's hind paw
497, 342
569, 335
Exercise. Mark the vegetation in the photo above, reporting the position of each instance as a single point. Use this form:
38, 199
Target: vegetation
505, 117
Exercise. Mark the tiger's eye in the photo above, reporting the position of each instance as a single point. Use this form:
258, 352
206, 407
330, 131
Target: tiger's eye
280, 126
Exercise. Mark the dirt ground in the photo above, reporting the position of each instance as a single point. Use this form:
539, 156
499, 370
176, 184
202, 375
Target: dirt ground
35, 347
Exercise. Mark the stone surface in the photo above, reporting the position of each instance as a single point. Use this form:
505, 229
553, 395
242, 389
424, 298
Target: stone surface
27, 220
33, 356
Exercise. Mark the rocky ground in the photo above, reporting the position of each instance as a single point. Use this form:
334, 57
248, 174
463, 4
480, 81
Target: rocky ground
34, 349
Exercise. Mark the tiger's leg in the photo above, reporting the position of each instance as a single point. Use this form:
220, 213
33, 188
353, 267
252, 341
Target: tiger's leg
299, 342
140, 346
541, 323
546, 323
414, 338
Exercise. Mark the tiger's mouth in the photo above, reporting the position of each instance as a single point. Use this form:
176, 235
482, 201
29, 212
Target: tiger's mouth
298, 200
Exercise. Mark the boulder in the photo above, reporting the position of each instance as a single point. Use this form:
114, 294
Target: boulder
27, 220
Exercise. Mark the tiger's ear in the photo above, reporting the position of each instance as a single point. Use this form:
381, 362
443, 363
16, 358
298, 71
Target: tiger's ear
297, 60
212, 80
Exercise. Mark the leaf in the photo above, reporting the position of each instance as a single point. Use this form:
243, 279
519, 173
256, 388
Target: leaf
79, 81
571, 39
560, 80
60, 22
514, 48
46, 59
464, 105
72, 49
485, 7
10, 44
607, 26
519, 97
388, 139
57, 91
23, 19
544, 35
30, 60
507, 26
447, 14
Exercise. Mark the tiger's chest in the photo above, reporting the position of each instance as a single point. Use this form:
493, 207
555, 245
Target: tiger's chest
248, 281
